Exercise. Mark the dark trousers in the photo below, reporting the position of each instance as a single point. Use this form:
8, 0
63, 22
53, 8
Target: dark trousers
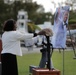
9, 64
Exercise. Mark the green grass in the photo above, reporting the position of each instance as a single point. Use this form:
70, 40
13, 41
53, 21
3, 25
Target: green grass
34, 58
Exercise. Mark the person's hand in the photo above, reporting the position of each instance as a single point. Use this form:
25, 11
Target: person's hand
46, 32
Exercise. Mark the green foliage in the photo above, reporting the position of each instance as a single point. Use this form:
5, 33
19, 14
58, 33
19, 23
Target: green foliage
72, 21
72, 18
8, 11
72, 15
40, 18
32, 27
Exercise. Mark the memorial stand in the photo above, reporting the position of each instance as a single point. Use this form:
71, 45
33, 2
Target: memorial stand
48, 70
48, 51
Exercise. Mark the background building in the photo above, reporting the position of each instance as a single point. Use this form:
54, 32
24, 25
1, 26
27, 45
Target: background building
22, 19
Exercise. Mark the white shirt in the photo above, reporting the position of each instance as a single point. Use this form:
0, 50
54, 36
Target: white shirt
11, 42
31, 42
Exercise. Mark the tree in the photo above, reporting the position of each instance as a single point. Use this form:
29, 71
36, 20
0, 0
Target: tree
72, 3
32, 27
10, 10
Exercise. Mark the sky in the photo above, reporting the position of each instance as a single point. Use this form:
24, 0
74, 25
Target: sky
48, 5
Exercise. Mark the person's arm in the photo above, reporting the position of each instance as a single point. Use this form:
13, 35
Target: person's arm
23, 36
42, 32
30, 42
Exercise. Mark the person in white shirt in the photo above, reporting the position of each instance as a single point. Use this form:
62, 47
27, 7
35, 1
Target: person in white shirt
11, 46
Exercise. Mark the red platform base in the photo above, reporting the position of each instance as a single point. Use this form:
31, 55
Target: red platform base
45, 72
